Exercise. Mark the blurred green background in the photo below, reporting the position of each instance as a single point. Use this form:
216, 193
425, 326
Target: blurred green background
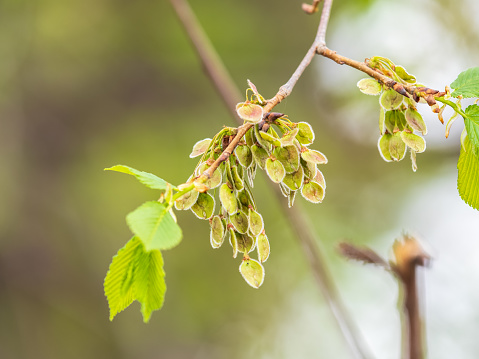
88, 84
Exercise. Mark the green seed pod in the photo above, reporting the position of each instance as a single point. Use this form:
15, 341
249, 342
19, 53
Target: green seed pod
187, 200
319, 179
217, 233
240, 222
233, 242
383, 146
242, 198
397, 147
270, 138
251, 174
250, 112
382, 119
313, 156
249, 137
395, 121
204, 206
391, 100
288, 156
312, 192
369, 86
237, 180
289, 137
262, 142
244, 155
275, 170
414, 119
294, 180
403, 74
260, 155
255, 222
309, 169
200, 147
262, 246
305, 134
215, 180
415, 142
284, 189
252, 272
291, 198
246, 243
413, 160
228, 199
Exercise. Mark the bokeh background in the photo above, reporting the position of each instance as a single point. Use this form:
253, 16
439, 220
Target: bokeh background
86, 84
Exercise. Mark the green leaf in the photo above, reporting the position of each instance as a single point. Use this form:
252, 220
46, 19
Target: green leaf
468, 170
467, 83
148, 179
252, 272
150, 284
119, 281
471, 121
135, 274
155, 227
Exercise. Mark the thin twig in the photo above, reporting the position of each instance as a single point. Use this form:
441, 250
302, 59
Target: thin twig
297, 220
311, 9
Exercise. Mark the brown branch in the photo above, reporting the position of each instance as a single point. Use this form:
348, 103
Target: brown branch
210, 60
362, 254
297, 220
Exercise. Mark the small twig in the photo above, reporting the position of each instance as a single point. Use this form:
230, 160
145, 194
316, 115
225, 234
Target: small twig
362, 254
311, 9
409, 255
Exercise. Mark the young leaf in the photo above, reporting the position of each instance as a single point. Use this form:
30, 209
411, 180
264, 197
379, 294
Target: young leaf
150, 284
270, 138
275, 170
369, 86
119, 281
468, 178
403, 74
467, 83
148, 179
250, 112
135, 274
200, 147
252, 272
471, 121
204, 206
154, 226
